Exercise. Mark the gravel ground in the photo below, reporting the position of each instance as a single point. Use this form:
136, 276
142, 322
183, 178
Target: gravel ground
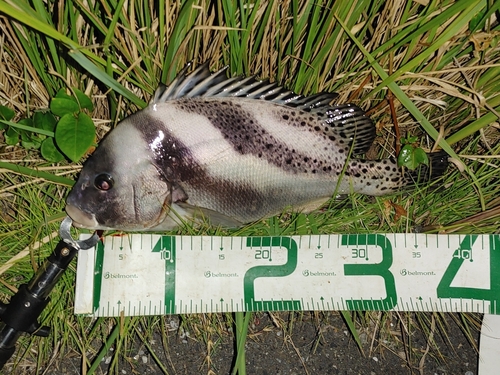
308, 347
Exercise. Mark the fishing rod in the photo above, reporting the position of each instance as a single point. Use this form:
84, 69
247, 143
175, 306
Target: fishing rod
21, 314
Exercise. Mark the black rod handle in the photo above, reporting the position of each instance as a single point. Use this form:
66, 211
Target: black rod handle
22, 312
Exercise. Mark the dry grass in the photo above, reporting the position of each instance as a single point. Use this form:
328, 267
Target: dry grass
456, 87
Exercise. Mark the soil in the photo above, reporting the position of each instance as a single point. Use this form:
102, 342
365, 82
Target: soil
309, 345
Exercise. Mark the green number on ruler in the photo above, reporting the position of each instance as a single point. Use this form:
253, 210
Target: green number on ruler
378, 269
166, 247
270, 271
445, 290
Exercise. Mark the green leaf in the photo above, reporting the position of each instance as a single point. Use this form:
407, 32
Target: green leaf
61, 94
50, 152
11, 136
62, 106
26, 121
75, 135
411, 157
44, 120
30, 141
6, 113
83, 100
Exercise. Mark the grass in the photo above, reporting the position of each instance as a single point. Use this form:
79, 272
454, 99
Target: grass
439, 59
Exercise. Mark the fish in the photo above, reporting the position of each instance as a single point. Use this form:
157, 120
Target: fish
231, 150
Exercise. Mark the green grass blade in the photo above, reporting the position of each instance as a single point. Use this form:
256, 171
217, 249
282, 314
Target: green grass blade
401, 96
475, 126
461, 21
37, 174
352, 328
181, 28
75, 51
241, 324
28, 128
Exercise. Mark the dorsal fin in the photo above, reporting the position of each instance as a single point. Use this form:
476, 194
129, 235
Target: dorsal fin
347, 121
201, 82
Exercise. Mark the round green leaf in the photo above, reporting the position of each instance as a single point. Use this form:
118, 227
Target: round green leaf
411, 157
6, 113
11, 136
26, 121
63, 106
62, 95
421, 156
75, 135
83, 100
44, 120
30, 140
50, 152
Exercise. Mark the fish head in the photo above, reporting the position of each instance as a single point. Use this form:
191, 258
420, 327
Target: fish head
119, 187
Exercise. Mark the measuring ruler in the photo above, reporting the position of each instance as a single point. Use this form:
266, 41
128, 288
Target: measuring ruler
145, 274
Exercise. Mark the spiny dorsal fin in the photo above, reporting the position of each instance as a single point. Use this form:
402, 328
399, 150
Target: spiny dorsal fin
347, 121
201, 82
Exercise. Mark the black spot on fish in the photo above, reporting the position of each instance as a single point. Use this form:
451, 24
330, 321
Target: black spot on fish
235, 123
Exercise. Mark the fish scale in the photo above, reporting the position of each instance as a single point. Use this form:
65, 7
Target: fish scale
233, 151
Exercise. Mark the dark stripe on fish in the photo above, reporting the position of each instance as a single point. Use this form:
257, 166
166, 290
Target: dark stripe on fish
243, 132
178, 166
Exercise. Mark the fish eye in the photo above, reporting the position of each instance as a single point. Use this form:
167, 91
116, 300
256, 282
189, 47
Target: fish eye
103, 182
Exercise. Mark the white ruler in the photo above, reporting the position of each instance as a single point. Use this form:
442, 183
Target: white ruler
146, 274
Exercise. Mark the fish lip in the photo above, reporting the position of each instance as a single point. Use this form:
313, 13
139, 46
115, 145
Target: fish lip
81, 219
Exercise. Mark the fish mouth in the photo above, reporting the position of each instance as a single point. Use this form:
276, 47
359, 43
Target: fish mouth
80, 218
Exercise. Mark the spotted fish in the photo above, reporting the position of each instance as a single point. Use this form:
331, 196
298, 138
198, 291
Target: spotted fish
230, 150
